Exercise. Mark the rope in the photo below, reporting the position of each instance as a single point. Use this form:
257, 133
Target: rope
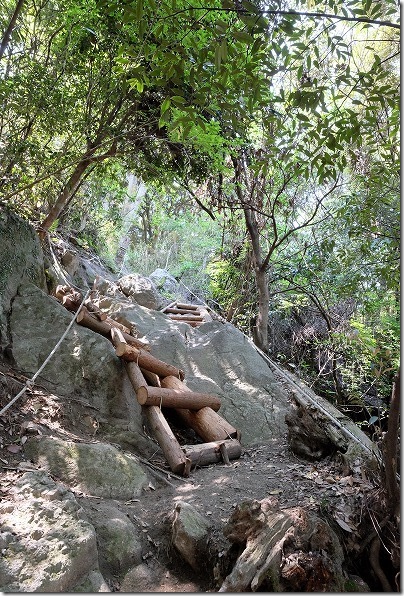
29, 384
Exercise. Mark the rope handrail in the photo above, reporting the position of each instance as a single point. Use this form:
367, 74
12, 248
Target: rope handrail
30, 382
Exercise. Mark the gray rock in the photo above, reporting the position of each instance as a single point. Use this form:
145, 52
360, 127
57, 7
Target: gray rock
190, 534
52, 548
117, 538
21, 260
85, 362
141, 290
94, 468
166, 283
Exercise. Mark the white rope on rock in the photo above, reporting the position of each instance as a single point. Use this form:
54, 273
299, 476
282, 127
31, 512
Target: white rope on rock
29, 384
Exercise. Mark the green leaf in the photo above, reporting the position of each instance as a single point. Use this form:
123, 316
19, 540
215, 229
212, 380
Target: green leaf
243, 36
178, 100
165, 105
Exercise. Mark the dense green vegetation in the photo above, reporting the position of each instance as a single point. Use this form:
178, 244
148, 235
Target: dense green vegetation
267, 142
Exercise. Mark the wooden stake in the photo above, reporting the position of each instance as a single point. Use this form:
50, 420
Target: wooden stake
147, 361
173, 398
151, 377
207, 423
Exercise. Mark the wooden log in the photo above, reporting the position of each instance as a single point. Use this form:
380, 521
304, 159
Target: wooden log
211, 453
177, 460
186, 318
187, 306
169, 306
104, 328
207, 423
118, 338
95, 310
147, 361
151, 377
173, 398
135, 375
181, 311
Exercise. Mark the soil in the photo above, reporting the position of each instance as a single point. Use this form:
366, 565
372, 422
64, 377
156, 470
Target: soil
334, 490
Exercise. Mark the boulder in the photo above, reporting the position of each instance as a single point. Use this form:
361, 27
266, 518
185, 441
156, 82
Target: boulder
21, 260
85, 363
97, 469
190, 535
118, 542
46, 545
141, 290
166, 283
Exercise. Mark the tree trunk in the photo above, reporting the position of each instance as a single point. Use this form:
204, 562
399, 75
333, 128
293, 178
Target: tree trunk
260, 333
64, 197
10, 28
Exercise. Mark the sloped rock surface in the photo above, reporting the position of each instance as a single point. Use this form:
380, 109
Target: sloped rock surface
46, 545
93, 468
20, 261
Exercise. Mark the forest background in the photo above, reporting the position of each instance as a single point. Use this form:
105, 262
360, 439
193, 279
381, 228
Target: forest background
249, 148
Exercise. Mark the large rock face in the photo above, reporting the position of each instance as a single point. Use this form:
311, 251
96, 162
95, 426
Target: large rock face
219, 359
21, 261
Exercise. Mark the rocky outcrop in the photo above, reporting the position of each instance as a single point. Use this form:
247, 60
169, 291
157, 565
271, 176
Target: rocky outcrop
21, 261
96, 468
46, 544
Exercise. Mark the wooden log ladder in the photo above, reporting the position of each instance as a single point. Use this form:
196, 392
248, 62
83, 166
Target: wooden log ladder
158, 384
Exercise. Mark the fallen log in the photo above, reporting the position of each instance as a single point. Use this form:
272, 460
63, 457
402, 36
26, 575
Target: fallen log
207, 423
174, 398
212, 453
147, 361
177, 460
104, 328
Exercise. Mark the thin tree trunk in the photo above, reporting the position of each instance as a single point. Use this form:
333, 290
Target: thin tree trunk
10, 28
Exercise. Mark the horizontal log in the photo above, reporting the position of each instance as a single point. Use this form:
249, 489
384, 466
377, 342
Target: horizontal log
177, 460
173, 398
211, 453
104, 328
181, 311
186, 318
207, 423
187, 306
147, 361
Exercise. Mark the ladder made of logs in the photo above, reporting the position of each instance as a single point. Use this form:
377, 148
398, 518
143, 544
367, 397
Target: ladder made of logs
158, 384
193, 314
